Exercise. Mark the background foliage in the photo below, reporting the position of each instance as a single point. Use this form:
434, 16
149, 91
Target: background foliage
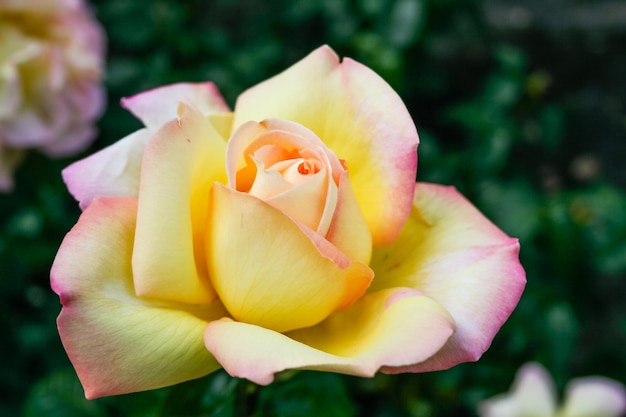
522, 110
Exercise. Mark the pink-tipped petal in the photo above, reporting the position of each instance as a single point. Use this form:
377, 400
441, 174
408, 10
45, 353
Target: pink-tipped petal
159, 105
112, 172
118, 342
451, 252
533, 394
359, 116
392, 327
594, 397
181, 161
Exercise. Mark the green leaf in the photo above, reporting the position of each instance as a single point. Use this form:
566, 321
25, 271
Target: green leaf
307, 394
60, 395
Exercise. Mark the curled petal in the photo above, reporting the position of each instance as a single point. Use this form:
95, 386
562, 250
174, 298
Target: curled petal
270, 271
298, 202
357, 115
451, 252
289, 167
159, 105
284, 134
392, 327
118, 342
112, 172
594, 396
181, 161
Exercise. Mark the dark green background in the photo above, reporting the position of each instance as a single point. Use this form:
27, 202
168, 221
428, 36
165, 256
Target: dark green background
522, 108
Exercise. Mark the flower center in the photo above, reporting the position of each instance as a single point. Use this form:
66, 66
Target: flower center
295, 171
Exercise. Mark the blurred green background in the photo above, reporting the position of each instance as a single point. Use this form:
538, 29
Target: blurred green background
521, 105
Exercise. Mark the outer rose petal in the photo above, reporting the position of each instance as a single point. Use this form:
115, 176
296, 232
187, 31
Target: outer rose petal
269, 271
359, 116
120, 343
533, 394
594, 397
392, 327
159, 105
181, 161
451, 252
112, 172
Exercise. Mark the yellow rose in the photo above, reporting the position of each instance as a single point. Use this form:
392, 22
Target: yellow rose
287, 234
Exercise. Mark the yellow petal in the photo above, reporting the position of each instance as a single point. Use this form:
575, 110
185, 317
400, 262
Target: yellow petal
272, 272
348, 230
451, 252
357, 115
393, 327
118, 342
180, 163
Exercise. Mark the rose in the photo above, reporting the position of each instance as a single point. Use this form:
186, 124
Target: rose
534, 395
50, 69
289, 233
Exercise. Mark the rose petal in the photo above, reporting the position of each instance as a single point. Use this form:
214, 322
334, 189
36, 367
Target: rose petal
305, 202
278, 133
112, 172
359, 117
451, 252
269, 272
532, 394
118, 342
159, 105
348, 230
115, 170
181, 161
392, 327
594, 397
263, 159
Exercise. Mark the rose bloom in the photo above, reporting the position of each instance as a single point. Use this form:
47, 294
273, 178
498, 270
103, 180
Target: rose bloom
51, 59
286, 234
534, 395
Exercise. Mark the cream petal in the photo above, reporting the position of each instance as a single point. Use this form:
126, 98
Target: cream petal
118, 342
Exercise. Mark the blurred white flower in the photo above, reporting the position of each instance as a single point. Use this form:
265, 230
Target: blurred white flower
51, 64
533, 395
